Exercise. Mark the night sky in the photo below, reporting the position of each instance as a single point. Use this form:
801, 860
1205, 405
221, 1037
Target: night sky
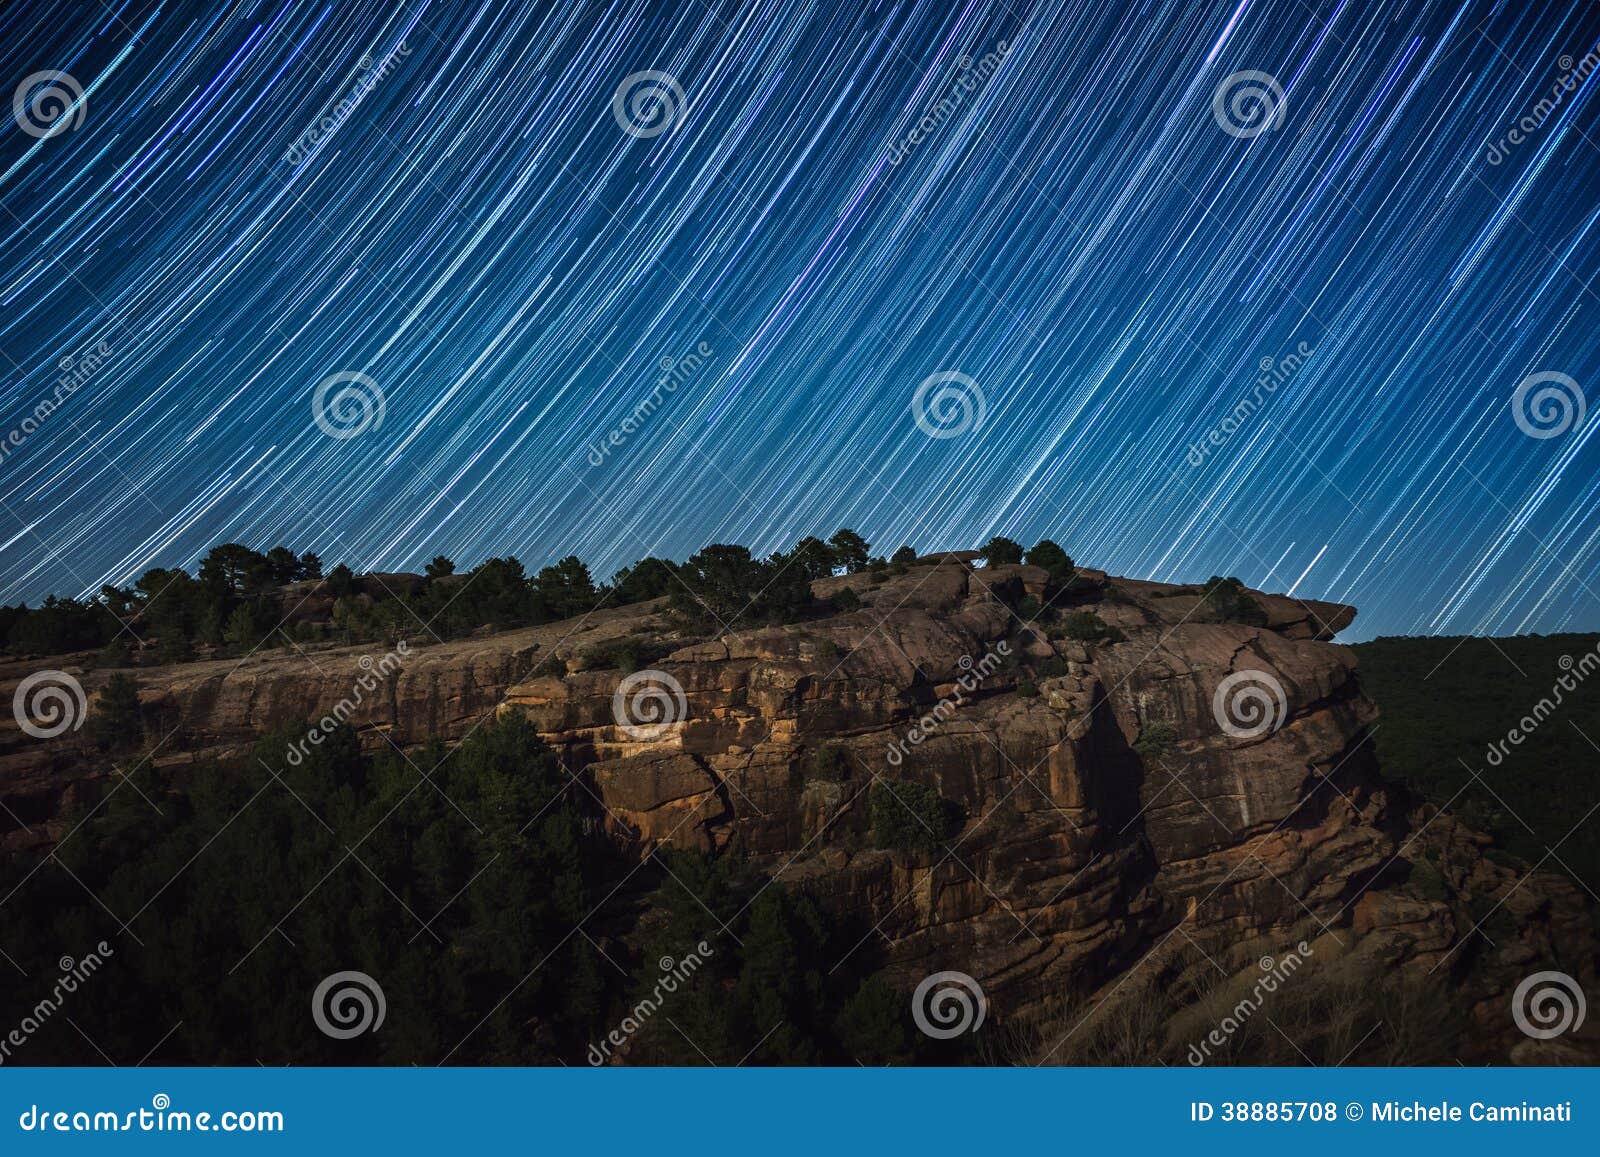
390, 280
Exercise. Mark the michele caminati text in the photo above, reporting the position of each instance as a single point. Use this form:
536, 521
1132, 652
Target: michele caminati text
1415, 1112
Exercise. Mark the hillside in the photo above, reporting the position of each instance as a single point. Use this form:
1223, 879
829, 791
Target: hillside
1451, 706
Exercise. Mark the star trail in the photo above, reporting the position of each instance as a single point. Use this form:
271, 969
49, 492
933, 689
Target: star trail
1296, 290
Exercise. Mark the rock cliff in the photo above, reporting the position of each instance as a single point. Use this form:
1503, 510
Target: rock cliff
1130, 779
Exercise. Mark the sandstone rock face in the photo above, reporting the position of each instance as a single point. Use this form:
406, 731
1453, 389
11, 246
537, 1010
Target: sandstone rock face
1194, 784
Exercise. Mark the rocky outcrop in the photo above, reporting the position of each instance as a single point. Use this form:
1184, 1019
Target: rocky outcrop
1132, 779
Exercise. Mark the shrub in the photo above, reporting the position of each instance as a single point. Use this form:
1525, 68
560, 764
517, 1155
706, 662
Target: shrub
999, 551
341, 581
814, 557
1087, 627
845, 600
830, 762
1231, 603
905, 556
908, 817
1156, 741
724, 586
649, 578
116, 722
115, 654
1053, 559
627, 654
849, 550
